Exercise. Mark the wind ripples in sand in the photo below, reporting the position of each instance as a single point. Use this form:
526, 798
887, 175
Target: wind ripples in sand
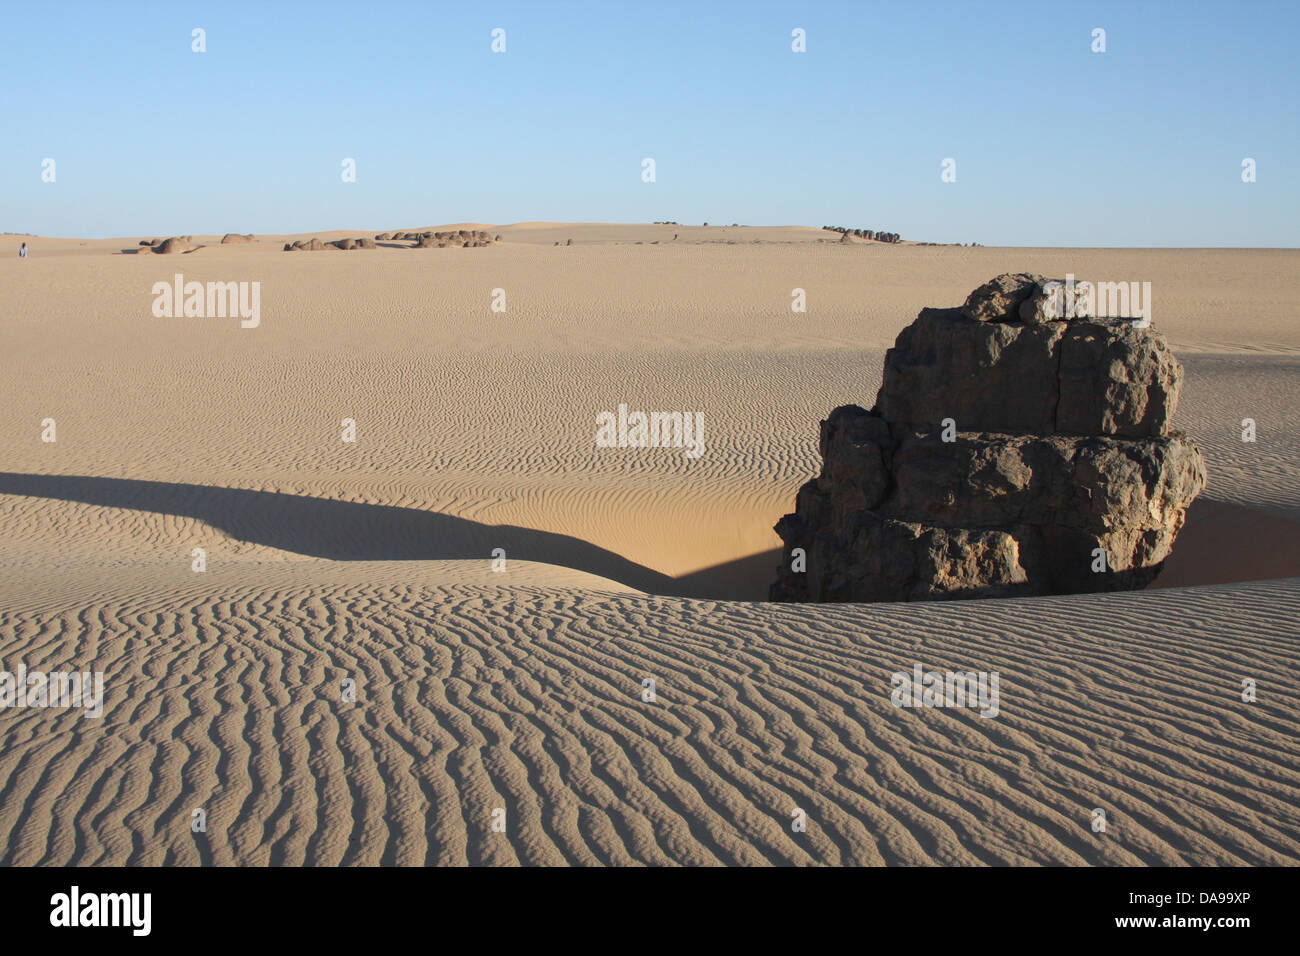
529, 699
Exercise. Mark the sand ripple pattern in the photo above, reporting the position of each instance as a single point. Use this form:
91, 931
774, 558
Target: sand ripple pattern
529, 699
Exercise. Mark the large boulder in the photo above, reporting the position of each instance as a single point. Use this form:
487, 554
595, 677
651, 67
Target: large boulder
1010, 452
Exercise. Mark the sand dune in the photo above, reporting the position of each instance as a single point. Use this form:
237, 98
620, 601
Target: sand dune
521, 689
529, 699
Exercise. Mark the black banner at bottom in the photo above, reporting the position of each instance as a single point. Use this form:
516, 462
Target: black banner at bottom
343, 906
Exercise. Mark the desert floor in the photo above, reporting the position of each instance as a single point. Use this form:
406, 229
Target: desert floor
522, 690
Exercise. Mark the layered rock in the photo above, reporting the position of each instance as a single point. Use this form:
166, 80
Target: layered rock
1010, 452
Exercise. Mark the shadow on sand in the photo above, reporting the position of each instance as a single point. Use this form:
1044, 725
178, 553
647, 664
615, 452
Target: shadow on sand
352, 531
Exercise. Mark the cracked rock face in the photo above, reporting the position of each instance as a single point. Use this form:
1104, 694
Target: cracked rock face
1007, 454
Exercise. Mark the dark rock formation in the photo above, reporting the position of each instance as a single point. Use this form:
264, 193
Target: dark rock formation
315, 245
1009, 453
174, 245
862, 234
429, 239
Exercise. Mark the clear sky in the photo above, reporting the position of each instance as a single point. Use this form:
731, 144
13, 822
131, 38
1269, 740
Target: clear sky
1054, 144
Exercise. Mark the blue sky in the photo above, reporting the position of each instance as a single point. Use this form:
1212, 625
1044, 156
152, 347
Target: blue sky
1054, 144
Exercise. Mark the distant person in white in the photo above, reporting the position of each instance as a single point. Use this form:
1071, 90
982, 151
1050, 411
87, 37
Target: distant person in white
22, 251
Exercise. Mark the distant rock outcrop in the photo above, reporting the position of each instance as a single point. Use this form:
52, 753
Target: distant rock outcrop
314, 244
1011, 451
236, 237
452, 238
173, 245
427, 239
873, 234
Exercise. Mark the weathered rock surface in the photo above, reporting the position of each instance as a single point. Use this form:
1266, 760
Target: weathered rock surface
429, 239
1002, 457
1077, 377
315, 245
175, 245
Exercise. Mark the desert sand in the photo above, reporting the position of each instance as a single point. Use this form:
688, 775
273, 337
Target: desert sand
522, 689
